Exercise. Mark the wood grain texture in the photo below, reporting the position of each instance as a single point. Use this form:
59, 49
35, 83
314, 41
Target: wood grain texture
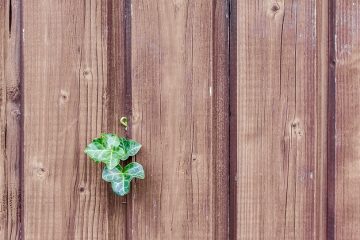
116, 104
10, 120
331, 143
220, 117
73, 91
281, 115
285, 128
347, 138
179, 114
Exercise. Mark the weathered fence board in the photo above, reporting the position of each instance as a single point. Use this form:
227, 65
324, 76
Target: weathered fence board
281, 88
69, 98
179, 114
10, 120
248, 132
115, 103
347, 161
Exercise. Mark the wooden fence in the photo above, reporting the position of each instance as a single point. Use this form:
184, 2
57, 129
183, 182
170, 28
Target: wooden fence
248, 112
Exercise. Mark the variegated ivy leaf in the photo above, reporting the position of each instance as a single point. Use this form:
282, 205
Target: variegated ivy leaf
110, 140
112, 175
121, 187
113, 159
120, 178
96, 150
134, 170
110, 149
106, 149
131, 147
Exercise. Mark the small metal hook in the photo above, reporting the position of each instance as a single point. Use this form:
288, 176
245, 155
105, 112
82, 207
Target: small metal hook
124, 122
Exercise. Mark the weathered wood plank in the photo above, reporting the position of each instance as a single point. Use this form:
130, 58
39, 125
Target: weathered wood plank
3, 162
220, 117
10, 120
73, 90
281, 83
331, 144
347, 138
179, 114
115, 104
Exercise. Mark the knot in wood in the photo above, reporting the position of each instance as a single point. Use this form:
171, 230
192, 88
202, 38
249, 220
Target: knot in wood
296, 128
64, 96
13, 93
86, 72
40, 172
275, 7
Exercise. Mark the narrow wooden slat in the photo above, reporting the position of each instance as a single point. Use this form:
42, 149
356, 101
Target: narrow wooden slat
73, 91
10, 120
232, 119
3, 168
179, 114
281, 83
220, 117
331, 143
116, 95
347, 138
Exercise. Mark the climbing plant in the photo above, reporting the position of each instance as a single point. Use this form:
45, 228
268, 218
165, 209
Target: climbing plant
112, 151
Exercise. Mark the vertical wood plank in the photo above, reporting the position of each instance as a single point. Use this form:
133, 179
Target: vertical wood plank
281, 82
10, 120
220, 117
179, 114
73, 92
347, 138
115, 104
3, 162
331, 143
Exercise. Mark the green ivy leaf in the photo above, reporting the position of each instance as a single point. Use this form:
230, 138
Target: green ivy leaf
120, 178
110, 149
113, 159
131, 147
112, 175
121, 187
110, 140
134, 170
96, 150
106, 149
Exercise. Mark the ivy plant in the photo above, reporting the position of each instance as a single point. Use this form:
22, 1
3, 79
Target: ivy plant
112, 151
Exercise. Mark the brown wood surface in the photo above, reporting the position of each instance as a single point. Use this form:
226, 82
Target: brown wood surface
10, 120
74, 89
247, 112
179, 114
115, 103
281, 83
347, 137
